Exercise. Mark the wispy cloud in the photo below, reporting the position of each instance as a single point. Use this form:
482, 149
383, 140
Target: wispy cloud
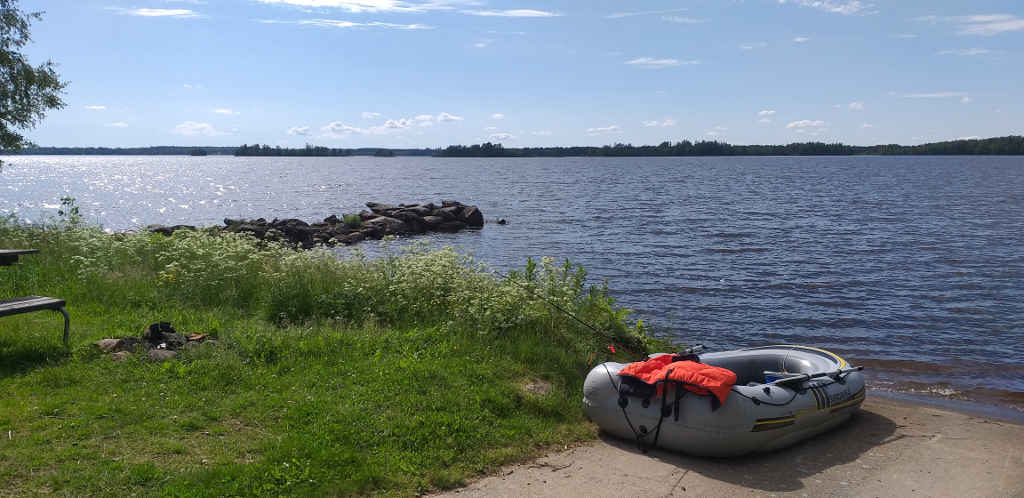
801, 39
96, 107
118, 124
359, 6
966, 52
805, 123
300, 131
766, 112
338, 129
501, 136
683, 20
541, 133
620, 15
845, 7
338, 23
444, 116
174, 13
867, 125
665, 123
753, 45
603, 130
226, 112
855, 106
511, 13
497, 115
193, 128
653, 63
904, 36
980, 24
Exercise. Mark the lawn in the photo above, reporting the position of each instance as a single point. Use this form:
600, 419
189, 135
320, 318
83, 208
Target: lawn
328, 375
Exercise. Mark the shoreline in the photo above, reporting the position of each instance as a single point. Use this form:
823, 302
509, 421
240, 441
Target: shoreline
891, 447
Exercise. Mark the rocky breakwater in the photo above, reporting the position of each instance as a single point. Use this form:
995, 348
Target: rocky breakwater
379, 221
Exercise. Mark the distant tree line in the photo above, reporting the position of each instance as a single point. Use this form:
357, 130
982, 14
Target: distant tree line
1010, 145
163, 150
307, 151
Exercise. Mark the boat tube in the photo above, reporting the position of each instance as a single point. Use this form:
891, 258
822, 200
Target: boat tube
782, 395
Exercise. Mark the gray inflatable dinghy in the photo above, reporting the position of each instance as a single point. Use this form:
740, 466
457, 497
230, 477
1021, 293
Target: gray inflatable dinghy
783, 394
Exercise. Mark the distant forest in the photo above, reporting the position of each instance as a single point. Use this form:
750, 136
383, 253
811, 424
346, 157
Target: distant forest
1009, 145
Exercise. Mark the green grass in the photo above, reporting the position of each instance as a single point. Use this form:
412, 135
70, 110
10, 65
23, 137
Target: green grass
329, 376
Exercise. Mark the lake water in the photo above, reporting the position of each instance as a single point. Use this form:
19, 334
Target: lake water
911, 266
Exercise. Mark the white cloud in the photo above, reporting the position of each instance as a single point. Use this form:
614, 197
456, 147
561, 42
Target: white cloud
650, 62
966, 52
619, 15
845, 7
935, 95
764, 120
766, 112
965, 100
424, 117
483, 43
541, 133
904, 36
753, 45
603, 130
501, 136
444, 116
497, 115
118, 124
370, 115
490, 128
337, 129
193, 128
398, 124
226, 112
336, 23
298, 131
357, 6
96, 107
856, 106
981, 24
867, 125
173, 13
801, 39
191, 86
511, 13
972, 137
682, 20
665, 123
805, 123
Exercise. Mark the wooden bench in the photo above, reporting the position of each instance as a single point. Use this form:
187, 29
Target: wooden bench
29, 304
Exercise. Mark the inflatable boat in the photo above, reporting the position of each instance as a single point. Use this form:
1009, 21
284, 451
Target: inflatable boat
778, 395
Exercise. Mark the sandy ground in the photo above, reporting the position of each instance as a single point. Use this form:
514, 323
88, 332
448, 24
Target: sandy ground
889, 448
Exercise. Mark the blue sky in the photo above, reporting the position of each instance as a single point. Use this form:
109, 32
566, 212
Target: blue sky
348, 73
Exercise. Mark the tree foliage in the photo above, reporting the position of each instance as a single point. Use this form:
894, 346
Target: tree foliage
26, 91
1009, 145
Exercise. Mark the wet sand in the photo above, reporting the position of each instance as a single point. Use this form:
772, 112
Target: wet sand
889, 448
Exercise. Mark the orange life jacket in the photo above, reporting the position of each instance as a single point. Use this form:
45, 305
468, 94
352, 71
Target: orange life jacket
696, 377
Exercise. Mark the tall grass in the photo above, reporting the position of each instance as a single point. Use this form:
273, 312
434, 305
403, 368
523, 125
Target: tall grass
332, 375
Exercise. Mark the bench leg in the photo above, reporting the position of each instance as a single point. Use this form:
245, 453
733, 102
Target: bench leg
67, 327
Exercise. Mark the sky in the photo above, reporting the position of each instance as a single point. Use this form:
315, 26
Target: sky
430, 73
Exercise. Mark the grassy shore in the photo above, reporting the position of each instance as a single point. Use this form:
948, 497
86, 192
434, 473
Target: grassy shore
329, 376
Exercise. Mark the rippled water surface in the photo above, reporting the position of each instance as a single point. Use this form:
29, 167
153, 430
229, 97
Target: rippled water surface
913, 266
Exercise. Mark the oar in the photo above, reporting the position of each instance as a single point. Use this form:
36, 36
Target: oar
804, 376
